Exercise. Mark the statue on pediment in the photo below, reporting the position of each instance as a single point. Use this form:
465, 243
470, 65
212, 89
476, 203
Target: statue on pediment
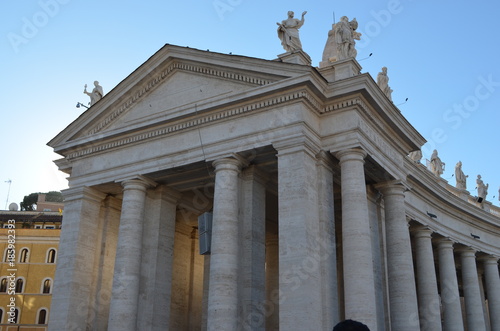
96, 94
482, 190
288, 32
460, 177
341, 43
416, 156
383, 83
436, 165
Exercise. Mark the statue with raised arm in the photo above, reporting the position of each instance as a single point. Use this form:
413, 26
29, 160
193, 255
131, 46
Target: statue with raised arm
288, 32
341, 43
436, 166
96, 93
460, 177
482, 190
383, 83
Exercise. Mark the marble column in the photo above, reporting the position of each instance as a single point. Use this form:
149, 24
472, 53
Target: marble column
472, 294
359, 284
253, 249
157, 258
223, 287
272, 282
126, 278
401, 277
427, 290
492, 281
450, 297
299, 245
72, 297
328, 244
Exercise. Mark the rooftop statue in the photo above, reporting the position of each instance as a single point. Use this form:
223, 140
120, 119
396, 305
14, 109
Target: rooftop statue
416, 156
482, 190
288, 32
341, 41
383, 83
96, 93
436, 166
460, 176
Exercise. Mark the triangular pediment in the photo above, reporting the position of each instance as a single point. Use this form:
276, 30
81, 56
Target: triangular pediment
172, 84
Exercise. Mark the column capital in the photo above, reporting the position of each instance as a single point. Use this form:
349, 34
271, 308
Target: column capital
467, 251
297, 144
489, 259
137, 182
392, 187
421, 231
445, 243
228, 163
351, 154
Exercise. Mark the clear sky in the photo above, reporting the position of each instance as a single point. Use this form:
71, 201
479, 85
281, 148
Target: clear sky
441, 55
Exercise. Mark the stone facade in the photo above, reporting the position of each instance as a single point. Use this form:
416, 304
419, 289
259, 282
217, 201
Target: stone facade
318, 212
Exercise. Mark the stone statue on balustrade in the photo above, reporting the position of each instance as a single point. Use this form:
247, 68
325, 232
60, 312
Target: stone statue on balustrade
383, 83
96, 93
341, 43
416, 156
482, 190
436, 165
288, 32
460, 177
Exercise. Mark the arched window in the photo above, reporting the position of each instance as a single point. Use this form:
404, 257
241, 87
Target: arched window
19, 285
6, 255
46, 286
51, 255
3, 285
16, 316
23, 256
1, 315
42, 316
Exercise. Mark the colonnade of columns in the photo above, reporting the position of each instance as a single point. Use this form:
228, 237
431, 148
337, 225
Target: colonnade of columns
305, 293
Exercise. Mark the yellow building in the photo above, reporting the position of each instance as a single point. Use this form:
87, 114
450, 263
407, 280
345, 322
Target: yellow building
29, 243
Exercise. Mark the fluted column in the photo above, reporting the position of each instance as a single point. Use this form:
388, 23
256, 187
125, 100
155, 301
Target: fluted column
492, 279
427, 291
126, 278
359, 284
472, 294
450, 298
223, 287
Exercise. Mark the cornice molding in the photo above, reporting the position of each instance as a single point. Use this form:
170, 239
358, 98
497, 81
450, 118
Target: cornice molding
302, 94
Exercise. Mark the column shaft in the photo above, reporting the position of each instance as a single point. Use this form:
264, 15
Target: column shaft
401, 279
223, 287
299, 246
253, 249
428, 296
71, 301
126, 279
492, 290
472, 294
359, 284
450, 298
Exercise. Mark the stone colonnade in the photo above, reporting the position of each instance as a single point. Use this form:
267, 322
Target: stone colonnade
256, 281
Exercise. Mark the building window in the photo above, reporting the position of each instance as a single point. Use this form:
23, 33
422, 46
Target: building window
46, 286
1, 315
23, 257
51, 256
42, 316
3, 285
38, 226
50, 227
16, 316
19, 285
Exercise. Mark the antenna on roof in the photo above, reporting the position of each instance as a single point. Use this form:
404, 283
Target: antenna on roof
8, 193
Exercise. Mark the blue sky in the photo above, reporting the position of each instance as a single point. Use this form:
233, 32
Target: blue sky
441, 55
